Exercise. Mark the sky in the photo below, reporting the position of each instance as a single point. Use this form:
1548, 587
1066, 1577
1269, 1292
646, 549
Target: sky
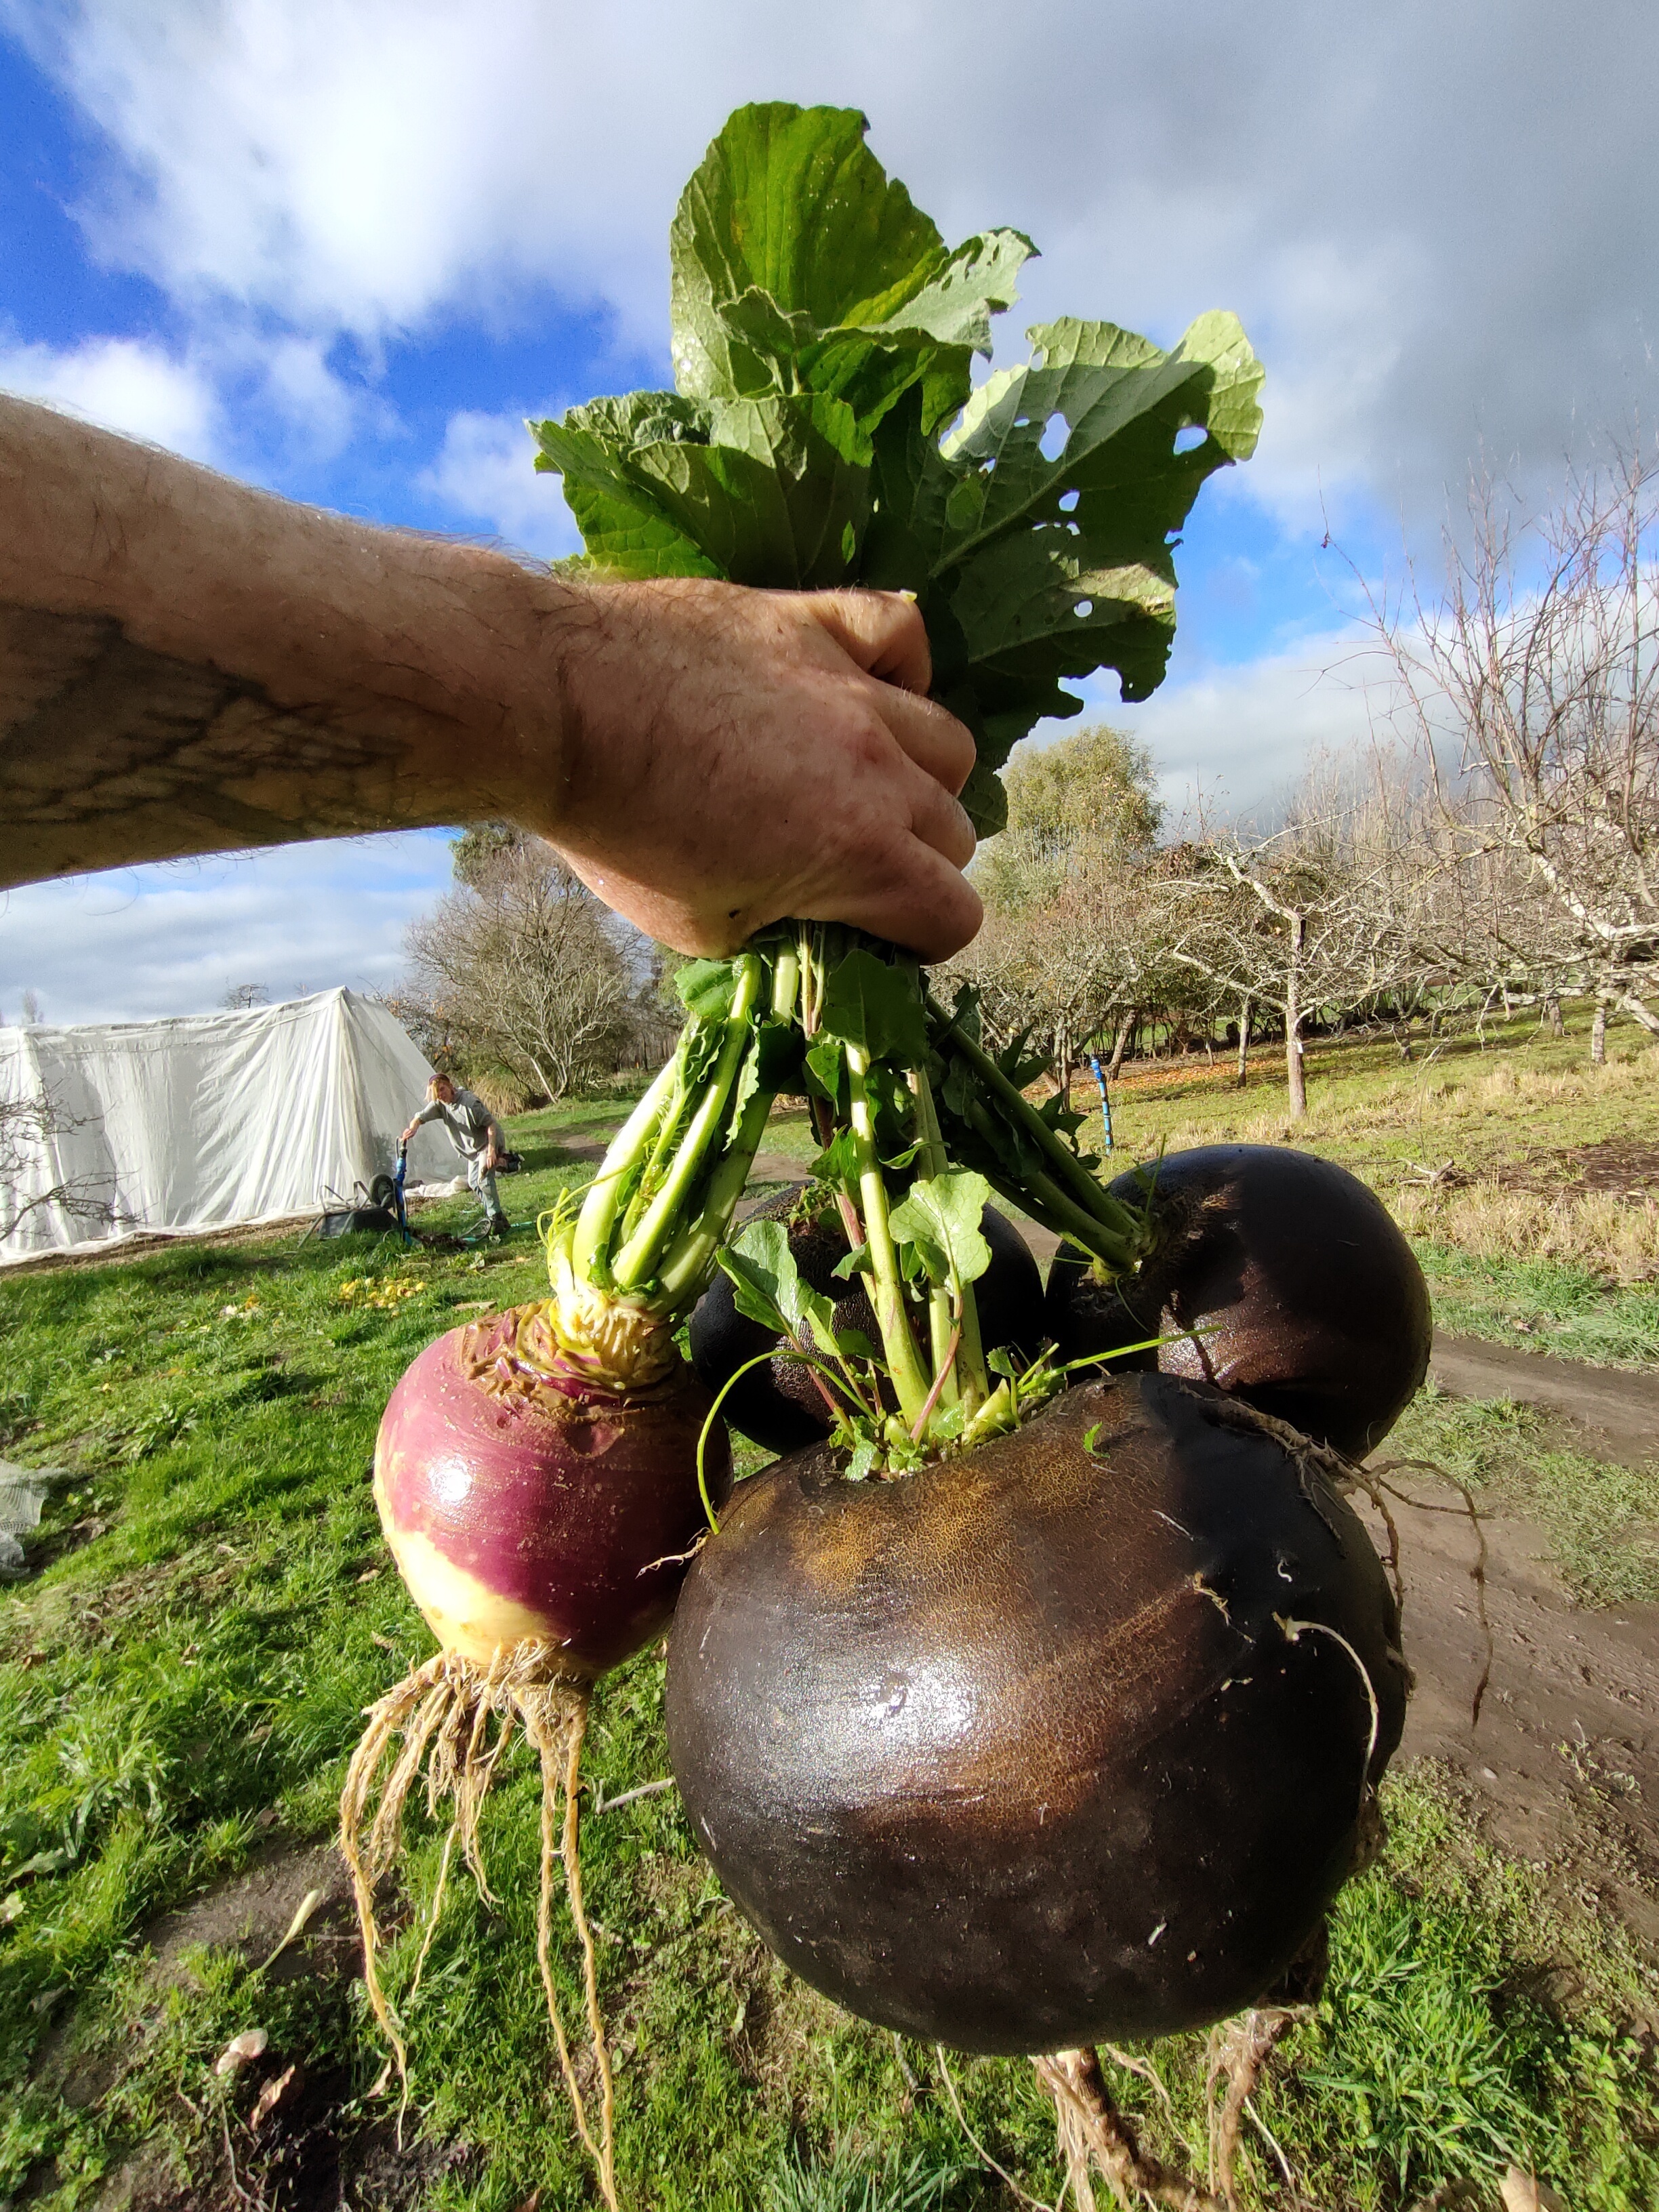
341, 248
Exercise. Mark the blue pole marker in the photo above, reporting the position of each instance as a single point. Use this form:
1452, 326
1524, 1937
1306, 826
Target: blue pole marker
1105, 1102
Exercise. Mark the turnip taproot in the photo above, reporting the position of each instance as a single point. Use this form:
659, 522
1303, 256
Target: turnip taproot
540, 1477
1072, 1736
1299, 1290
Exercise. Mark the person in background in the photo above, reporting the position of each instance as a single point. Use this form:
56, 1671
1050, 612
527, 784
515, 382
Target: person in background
477, 1136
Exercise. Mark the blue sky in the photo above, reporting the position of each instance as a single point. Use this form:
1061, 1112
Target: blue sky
342, 247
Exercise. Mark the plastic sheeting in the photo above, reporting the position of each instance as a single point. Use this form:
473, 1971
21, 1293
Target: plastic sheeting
215, 1119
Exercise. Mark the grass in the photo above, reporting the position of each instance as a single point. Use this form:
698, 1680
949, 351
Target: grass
180, 1683
1602, 1520
1444, 1139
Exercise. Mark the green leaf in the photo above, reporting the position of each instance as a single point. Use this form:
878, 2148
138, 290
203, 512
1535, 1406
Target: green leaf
838, 1162
1020, 592
796, 264
707, 988
826, 1069
866, 1454
869, 1004
1045, 593
767, 1286
779, 1060
790, 202
941, 1217
625, 527
771, 492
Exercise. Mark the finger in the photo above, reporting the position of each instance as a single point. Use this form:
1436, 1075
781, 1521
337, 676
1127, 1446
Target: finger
881, 630
924, 904
941, 821
939, 744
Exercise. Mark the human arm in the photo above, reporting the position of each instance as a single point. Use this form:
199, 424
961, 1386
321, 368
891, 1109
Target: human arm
430, 1112
188, 664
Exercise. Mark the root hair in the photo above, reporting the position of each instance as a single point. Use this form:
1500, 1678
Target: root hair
1096, 2139
443, 1711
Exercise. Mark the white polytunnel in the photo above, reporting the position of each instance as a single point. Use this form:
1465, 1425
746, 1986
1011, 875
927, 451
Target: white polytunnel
208, 1120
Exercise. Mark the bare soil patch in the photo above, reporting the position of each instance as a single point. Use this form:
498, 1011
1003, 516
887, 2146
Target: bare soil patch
1622, 1165
1564, 1754
1618, 1412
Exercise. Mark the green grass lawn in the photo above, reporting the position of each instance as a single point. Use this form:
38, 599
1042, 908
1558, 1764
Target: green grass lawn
181, 1678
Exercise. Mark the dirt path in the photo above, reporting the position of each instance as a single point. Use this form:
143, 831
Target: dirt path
1566, 1752
1619, 1408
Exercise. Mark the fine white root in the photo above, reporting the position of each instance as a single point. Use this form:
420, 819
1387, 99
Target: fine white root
1096, 2139
443, 1712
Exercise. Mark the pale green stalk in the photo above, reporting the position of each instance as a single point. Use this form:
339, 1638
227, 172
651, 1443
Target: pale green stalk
883, 1283
635, 1263
603, 1199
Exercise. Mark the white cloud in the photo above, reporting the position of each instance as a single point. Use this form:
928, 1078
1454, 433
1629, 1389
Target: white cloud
1233, 740
124, 384
174, 939
1437, 222
485, 472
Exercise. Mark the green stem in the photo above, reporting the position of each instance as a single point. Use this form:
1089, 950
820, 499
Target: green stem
884, 1284
690, 1255
636, 1262
1066, 1169
605, 1193
956, 1332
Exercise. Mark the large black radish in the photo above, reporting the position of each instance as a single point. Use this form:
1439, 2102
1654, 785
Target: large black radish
1069, 1738
779, 1405
1311, 1302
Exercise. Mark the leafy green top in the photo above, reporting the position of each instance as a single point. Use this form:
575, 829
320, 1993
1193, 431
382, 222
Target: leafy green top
824, 431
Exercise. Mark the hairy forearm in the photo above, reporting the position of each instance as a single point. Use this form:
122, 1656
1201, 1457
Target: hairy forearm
188, 665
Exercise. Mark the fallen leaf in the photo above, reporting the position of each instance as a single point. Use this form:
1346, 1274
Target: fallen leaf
284, 2090
1525, 2192
303, 1911
241, 2050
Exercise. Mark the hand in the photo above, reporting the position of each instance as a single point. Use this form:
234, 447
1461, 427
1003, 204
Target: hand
408, 1134
729, 758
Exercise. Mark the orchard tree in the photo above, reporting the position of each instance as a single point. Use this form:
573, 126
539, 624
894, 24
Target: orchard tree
1530, 690
521, 968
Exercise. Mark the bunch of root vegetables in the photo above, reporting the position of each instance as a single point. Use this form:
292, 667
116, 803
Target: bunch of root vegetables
1038, 1693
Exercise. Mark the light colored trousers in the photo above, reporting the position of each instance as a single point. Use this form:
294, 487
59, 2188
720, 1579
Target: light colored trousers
482, 1180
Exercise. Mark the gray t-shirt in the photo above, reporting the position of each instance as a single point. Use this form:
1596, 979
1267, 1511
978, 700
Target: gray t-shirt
468, 1120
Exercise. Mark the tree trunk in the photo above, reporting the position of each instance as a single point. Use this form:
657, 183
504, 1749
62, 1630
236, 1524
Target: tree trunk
1295, 1074
1639, 1011
1558, 1028
1243, 1041
1599, 1035
1120, 1041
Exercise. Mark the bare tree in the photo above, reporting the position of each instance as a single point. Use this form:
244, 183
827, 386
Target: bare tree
29, 1130
521, 965
1317, 915
242, 998
1537, 673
